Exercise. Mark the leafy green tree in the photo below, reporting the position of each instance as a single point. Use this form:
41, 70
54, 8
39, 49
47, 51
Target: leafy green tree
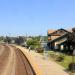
33, 43
36, 38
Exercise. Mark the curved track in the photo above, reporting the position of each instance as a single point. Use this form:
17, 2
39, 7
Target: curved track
14, 62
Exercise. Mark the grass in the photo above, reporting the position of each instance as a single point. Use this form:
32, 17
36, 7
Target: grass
67, 60
54, 56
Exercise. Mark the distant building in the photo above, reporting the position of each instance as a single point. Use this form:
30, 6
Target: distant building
57, 39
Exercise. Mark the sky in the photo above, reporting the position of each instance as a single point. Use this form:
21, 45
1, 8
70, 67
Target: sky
35, 17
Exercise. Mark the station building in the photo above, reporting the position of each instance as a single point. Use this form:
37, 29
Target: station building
57, 39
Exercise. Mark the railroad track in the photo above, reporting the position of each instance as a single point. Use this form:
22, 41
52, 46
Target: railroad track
4, 58
25, 65
14, 62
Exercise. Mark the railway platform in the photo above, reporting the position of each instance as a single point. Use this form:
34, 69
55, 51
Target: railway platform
43, 66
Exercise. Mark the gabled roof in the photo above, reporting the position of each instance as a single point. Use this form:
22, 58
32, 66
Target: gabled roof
59, 32
61, 37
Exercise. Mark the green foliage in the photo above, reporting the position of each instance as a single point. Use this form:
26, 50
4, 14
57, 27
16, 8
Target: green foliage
45, 38
39, 50
71, 67
32, 47
33, 43
66, 62
67, 59
60, 58
1, 38
37, 38
19, 40
7, 39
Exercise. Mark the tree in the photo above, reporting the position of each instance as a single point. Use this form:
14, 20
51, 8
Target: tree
19, 40
36, 38
7, 39
33, 43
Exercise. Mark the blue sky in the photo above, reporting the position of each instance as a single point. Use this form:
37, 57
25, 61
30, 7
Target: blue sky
35, 17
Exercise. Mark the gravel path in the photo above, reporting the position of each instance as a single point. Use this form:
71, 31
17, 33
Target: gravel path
14, 62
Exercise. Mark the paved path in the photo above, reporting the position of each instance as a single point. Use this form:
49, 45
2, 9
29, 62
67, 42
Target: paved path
46, 67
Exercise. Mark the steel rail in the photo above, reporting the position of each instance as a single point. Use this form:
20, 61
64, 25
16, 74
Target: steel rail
25, 61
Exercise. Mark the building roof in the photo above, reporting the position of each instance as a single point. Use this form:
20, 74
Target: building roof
59, 32
50, 31
61, 37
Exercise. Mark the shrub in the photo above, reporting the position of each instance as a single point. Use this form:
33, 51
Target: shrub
39, 50
33, 44
23, 45
32, 47
60, 58
71, 66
